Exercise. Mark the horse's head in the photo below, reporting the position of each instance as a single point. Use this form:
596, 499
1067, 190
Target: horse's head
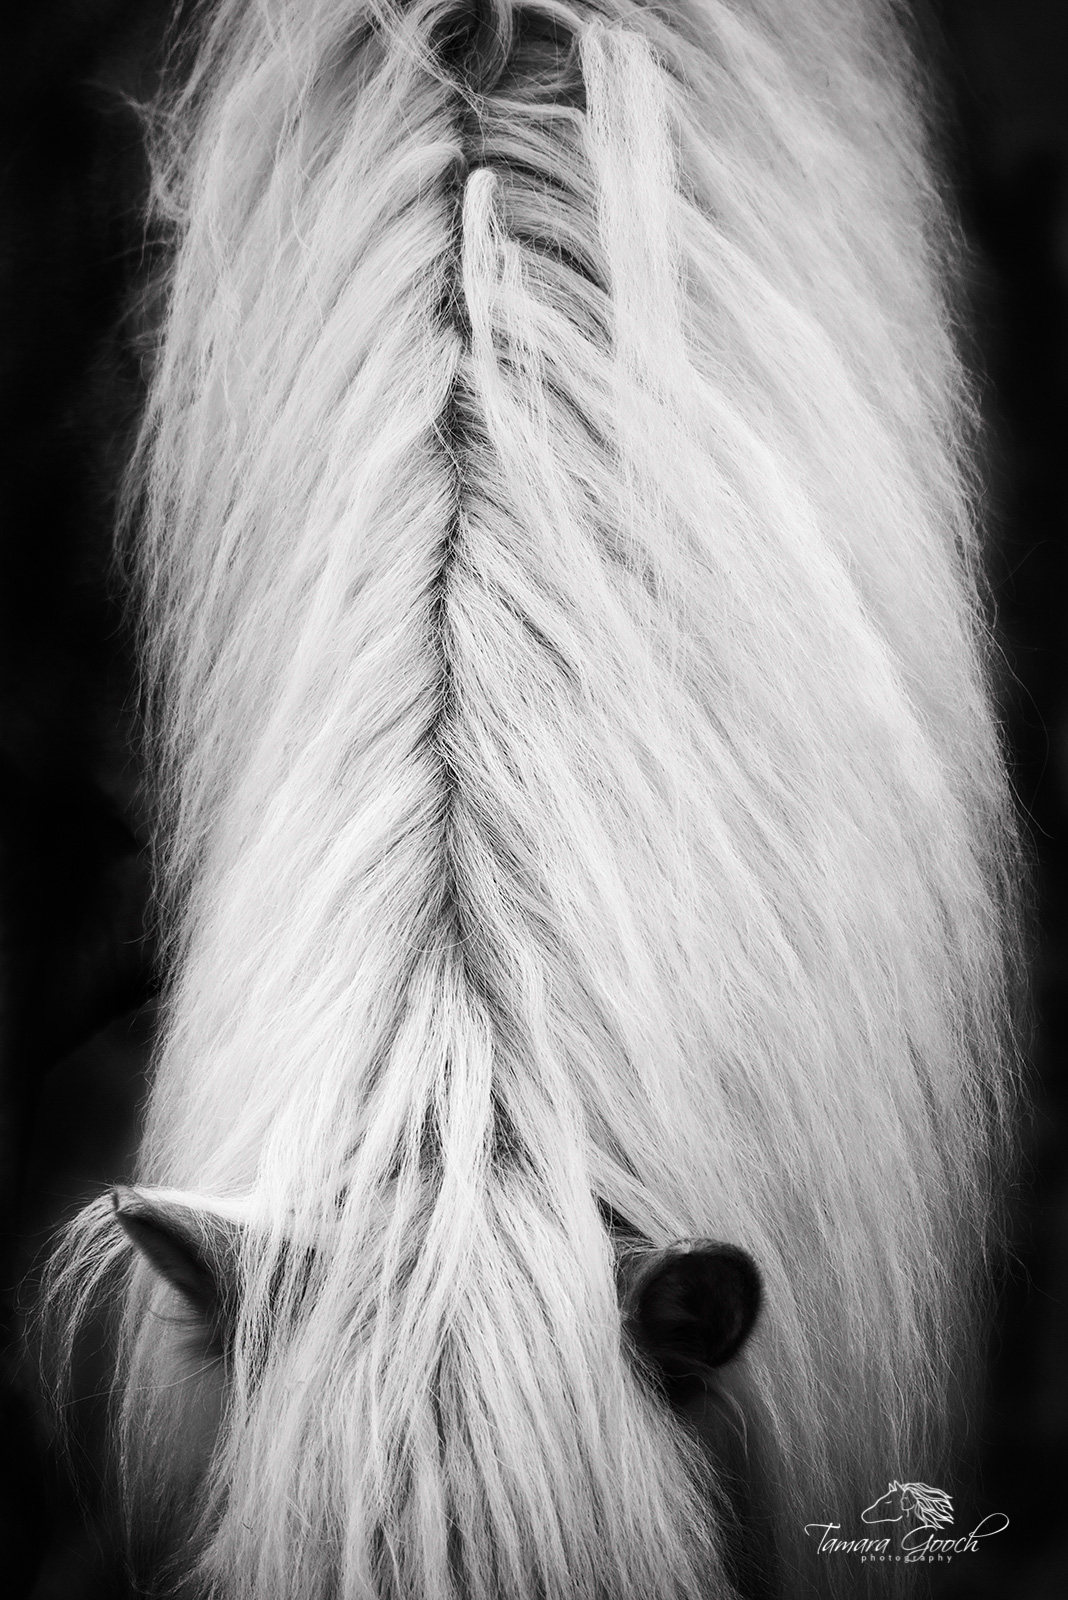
888, 1508
563, 795
928, 1507
685, 1312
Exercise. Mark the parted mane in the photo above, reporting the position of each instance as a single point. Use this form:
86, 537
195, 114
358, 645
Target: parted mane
558, 574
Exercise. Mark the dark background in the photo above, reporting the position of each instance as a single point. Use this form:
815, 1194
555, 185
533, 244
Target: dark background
1006, 75
76, 950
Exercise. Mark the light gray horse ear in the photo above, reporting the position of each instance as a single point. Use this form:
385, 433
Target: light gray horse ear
689, 1308
192, 1247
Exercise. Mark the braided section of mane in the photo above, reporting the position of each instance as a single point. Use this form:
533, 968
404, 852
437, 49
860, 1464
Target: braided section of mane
580, 782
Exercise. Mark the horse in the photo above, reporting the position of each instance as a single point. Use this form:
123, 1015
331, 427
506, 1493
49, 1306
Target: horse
932, 1508
585, 857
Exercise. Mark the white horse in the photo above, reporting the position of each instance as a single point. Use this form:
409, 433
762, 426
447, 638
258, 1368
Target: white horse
931, 1508
584, 833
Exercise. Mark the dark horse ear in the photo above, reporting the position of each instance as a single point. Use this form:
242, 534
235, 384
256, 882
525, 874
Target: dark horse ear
191, 1246
689, 1308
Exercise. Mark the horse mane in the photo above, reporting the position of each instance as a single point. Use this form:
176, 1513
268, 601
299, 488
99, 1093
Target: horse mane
578, 781
934, 1507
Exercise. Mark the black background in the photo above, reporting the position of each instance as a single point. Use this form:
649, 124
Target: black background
1006, 76
76, 951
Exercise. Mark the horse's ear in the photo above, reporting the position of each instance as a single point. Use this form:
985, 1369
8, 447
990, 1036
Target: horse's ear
191, 1245
689, 1308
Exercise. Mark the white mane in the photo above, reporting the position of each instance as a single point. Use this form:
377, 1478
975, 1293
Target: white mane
933, 1507
558, 573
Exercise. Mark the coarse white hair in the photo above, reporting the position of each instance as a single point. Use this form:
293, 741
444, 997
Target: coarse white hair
580, 791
